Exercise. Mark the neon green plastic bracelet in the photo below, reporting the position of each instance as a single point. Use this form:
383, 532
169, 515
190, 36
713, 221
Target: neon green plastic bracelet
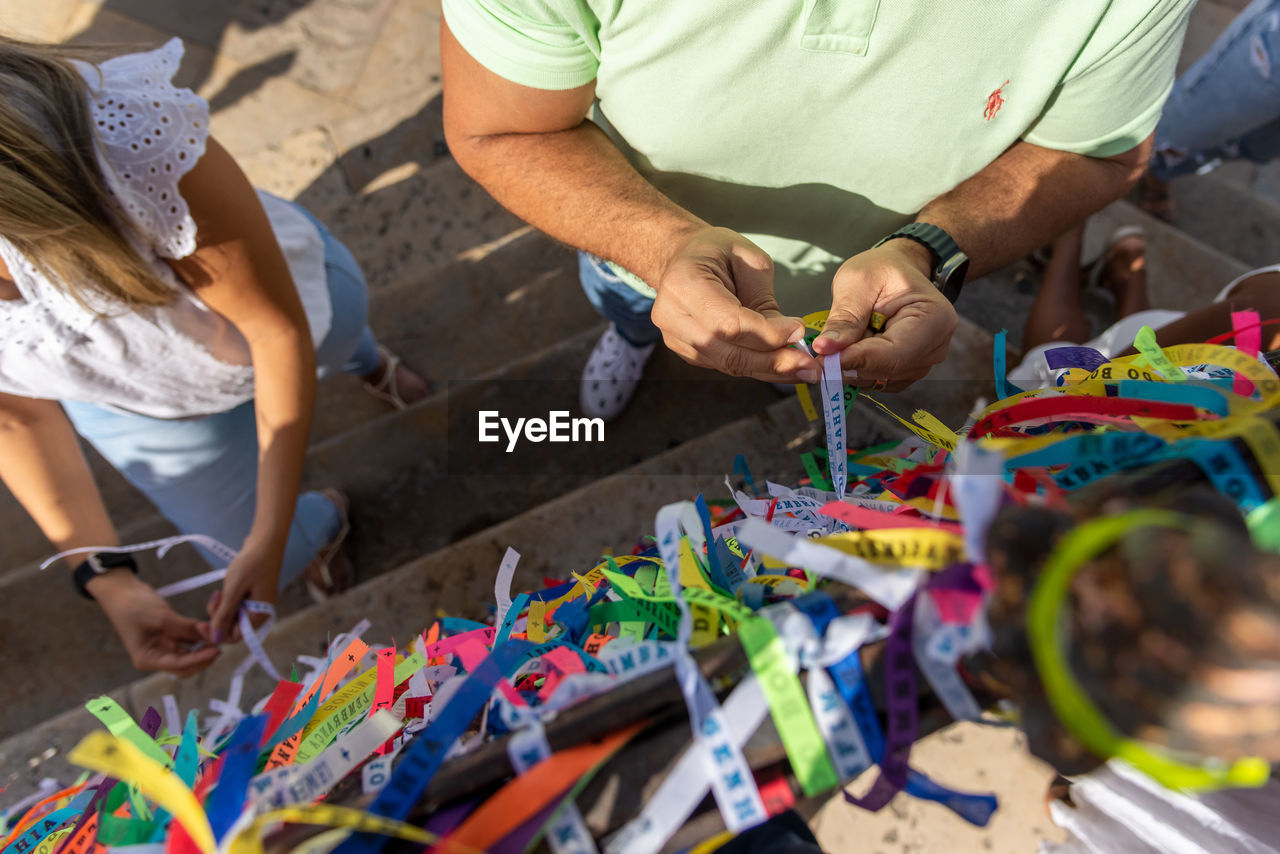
1264, 526
1069, 701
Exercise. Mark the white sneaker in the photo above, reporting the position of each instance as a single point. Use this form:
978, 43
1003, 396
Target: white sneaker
612, 373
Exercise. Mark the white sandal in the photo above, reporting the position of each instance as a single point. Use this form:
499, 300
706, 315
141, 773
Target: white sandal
330, 572
385, 389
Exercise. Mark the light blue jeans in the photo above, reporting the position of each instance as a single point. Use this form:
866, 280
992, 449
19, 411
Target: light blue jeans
617, 301
202, 473
1227, 105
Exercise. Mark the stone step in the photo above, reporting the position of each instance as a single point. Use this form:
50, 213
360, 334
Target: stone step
457, 487
1183, 271
1226, 212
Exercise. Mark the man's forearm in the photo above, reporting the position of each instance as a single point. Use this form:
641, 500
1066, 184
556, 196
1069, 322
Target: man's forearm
576, 186
1026, 197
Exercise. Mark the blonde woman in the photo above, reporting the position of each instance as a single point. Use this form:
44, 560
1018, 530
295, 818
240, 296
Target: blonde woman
152, 301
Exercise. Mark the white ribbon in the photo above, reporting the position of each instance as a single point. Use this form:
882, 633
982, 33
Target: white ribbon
252, 639
890, 588
833, 412
731, 782
687, 783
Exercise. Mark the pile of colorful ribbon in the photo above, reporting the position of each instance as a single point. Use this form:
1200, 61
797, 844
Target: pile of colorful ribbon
903, 523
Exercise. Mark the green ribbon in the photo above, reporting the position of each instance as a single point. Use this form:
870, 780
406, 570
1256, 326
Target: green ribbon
656, 609
1145, 343
816, 475
788, 706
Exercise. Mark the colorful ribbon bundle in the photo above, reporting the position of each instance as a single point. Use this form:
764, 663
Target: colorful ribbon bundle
902, 524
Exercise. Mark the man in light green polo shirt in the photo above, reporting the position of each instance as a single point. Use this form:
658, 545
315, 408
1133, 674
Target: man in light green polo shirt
738, 160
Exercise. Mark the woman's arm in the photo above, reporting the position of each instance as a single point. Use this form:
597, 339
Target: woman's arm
239, 271
41, 463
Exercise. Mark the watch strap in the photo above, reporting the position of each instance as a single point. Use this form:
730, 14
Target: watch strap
950, 264
100, 564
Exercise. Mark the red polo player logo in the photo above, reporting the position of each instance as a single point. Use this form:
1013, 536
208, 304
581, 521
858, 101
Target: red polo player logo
994, 102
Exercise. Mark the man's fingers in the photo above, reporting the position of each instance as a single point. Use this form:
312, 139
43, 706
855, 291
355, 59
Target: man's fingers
785, 365
717, 317
701, 307
752, 271
913, 344
761, 333
847, 323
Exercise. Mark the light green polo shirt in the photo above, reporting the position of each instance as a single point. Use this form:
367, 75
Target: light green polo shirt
816, 127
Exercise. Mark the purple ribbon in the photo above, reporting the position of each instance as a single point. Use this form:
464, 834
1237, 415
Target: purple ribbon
902, 711
1074, 357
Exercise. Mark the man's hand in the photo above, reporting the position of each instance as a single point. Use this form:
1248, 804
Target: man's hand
254, 574
716, 309
892, 279
155, 636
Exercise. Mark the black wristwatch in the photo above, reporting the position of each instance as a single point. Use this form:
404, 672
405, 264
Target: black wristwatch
100, 564
950, 265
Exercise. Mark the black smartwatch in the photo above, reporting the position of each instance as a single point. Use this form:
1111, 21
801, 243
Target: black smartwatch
950, 265
100, 564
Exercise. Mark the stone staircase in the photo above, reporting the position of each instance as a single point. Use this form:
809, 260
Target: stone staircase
502, 326
494, 314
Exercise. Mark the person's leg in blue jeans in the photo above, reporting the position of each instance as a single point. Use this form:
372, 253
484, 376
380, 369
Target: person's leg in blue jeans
202, 474
382, 372
615, 366
617, 301
1227, 105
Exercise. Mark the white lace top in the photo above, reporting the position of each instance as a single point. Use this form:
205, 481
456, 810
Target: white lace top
178, 360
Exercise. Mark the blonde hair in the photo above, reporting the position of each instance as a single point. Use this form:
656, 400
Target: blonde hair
55, 206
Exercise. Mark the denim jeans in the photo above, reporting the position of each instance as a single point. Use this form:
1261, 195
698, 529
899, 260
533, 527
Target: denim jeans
1227, 105
202, 473
617, 301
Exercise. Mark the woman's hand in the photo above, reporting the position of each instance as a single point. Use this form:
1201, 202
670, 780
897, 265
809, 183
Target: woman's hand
155, 636
254, 574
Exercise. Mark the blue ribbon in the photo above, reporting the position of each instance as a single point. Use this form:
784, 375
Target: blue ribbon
239, 763
294, 724
1004, 388
1191, 392
509, 619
